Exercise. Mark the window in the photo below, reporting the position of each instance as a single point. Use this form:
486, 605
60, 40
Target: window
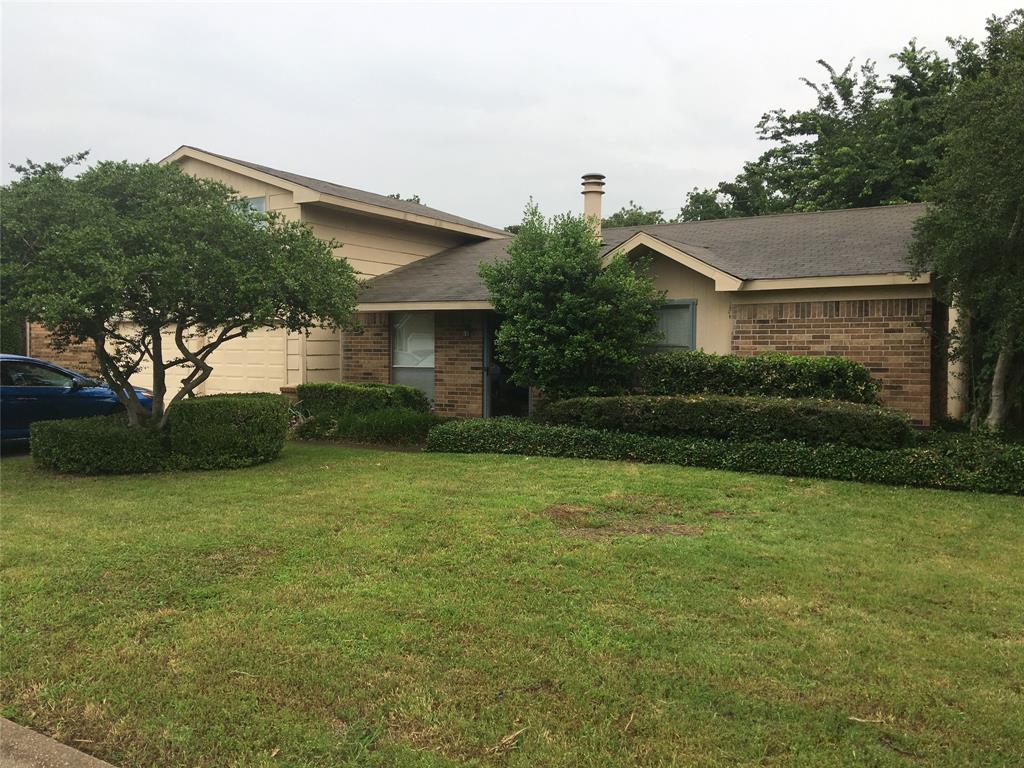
412, 350
676, 321
258, 204
16, 374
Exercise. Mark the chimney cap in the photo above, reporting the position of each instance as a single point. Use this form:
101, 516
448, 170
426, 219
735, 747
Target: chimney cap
593, 177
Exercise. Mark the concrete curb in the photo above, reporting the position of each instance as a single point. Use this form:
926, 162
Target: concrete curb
21, 747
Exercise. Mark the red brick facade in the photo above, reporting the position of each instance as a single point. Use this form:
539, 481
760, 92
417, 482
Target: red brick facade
892, 337
77, 357
366, 354
459, 363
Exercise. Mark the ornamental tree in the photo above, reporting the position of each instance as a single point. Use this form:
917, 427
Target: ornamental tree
573, 322
153, 266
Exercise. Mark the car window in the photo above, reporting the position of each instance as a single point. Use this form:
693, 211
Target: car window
17, 374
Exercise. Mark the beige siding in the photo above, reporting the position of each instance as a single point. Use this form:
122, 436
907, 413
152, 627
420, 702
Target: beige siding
714, 328
373, 245
278, 198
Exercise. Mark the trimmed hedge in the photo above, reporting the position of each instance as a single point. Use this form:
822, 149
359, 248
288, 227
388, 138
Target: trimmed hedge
215, 432
332, 399
393, 426
773, 374
226, 431
100, 445
967, 465
737, 418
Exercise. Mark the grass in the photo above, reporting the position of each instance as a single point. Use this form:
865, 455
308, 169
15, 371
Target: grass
348, 606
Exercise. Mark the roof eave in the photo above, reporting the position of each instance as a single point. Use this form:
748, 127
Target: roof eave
304, 195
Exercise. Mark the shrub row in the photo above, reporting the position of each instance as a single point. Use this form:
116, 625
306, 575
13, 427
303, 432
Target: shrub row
975, 465
215, 432
393, 426
773, 374
737, 418
332, 399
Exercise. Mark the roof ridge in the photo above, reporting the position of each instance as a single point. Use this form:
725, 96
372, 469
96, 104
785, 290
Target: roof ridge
277, 172
768, 216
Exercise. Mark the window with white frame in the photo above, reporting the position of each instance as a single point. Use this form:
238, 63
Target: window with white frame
677, 322
412, 350
258, 204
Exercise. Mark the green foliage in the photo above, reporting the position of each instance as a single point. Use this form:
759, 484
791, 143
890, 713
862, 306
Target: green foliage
972, 237
332, 399
571, 324
633, 215
214, 432
12, 333
101, 445
973, 466
772, 374
388, 426
130, 254
867, 140
226, 431
762, 419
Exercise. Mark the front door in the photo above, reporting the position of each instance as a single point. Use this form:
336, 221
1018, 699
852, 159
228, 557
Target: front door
501, 396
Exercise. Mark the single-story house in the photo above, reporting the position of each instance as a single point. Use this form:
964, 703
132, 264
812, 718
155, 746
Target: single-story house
834, 283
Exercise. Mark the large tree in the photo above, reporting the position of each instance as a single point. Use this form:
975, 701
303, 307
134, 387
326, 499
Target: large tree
866, 140
154, 266
972, 238
574, 323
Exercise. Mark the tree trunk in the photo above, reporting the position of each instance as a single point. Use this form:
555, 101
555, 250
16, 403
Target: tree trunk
1000, 403
159, 377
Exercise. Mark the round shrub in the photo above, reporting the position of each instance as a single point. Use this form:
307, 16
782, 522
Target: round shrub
225, 431
101, 445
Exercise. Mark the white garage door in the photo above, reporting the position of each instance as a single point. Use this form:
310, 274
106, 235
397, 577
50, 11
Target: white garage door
255, 363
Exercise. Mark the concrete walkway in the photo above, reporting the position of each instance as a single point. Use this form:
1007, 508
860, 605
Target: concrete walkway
24, 748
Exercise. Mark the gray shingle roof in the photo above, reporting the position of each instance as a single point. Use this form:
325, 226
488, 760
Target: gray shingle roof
856, 241
357, 195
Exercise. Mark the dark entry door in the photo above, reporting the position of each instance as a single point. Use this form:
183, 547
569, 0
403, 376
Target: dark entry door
501, 396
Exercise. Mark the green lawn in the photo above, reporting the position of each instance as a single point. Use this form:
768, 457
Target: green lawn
360, 607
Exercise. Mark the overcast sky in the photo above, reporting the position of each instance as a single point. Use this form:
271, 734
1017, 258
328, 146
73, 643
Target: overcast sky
473, 107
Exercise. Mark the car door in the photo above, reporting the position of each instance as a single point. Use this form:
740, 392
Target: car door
34, 392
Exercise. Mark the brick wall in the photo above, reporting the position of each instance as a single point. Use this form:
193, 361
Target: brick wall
892, 337
366, 354
459, 363
77, 357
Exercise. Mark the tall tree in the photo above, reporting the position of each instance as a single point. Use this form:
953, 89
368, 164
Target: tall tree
972, 238
574, 323
865, 141
152, 265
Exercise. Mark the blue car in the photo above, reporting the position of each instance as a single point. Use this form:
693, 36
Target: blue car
34, 390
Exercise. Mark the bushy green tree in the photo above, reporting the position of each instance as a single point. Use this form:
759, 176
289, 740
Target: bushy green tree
972, 238
152, 265
573, 323
634, 215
